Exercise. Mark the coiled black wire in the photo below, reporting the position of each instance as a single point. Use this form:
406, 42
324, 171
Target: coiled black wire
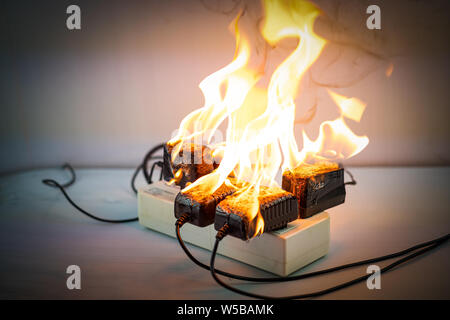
54, 184
143, 166
178, 225
436, 243
72, 180
352, 181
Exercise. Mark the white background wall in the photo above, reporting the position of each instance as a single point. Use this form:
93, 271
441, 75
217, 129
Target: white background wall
102, 96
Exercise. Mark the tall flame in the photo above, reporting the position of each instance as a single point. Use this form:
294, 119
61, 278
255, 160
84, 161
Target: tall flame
260, 131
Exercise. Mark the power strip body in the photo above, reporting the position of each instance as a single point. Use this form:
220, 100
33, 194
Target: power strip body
280, 252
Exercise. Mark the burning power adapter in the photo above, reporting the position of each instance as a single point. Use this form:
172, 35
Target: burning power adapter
317, 187
200, 207
190, 163
276, 207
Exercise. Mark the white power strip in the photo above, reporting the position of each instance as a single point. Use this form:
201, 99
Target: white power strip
280, 252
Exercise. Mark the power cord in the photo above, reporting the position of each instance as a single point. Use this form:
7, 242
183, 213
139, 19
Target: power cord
222, 233
72, 180
54, 184
352, 181
143, 166
185, 218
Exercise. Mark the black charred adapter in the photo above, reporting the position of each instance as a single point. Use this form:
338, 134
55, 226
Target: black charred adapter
316, 192
276, 208
200, 207
193, 166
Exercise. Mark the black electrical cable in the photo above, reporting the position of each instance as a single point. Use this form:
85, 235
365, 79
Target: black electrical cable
159, 164
53, 183
185, 218
143, 166
133, 178
72, 180
146, 160
219, 237
352, 181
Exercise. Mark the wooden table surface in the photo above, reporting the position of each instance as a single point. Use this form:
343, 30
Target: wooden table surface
41, 234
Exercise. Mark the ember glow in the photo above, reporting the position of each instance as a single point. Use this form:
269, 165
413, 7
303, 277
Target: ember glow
177, 177
260, 122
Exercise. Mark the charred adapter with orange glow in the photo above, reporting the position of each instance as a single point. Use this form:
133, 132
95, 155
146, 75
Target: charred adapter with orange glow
200, 207
276, 207
308, 190
317, 187
190, 163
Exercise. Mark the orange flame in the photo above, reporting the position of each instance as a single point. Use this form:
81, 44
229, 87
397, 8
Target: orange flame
260, 131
